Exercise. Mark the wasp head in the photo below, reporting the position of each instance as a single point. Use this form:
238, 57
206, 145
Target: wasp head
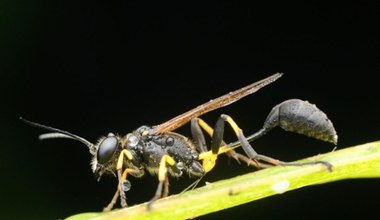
105, 154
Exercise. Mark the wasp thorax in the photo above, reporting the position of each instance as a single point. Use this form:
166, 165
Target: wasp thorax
107, 148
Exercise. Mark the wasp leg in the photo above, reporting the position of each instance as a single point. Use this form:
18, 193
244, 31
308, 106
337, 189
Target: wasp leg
209, 157
251, 153
113, 201
197, 134
122, 178
162, 179
126, 186
251, 162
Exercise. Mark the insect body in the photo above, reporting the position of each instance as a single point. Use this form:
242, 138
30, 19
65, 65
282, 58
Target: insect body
161, 151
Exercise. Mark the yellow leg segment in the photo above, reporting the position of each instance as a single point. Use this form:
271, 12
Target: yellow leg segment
206, 127
123, 153
125, 173
162, 170
233, 124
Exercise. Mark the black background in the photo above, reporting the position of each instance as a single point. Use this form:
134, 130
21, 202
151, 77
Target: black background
91, 67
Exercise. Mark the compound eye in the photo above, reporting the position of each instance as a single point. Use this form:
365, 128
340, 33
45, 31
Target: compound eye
107, 148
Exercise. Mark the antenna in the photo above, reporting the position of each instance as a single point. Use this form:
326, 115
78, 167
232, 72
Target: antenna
58, 133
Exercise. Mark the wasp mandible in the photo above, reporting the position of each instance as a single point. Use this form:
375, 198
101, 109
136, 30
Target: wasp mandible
160, 151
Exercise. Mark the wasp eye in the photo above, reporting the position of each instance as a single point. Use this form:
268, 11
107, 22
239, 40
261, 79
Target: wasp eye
107, 149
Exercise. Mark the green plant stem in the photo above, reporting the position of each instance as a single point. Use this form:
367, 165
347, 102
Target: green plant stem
362, 161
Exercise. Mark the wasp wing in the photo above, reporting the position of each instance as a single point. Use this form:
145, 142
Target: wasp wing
211, 105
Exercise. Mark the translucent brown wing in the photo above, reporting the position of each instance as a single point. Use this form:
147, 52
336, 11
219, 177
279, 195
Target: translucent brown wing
214, 104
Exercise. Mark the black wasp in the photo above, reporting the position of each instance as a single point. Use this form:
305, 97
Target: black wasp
160, 151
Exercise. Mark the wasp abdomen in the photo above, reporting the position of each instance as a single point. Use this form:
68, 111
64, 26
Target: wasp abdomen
302, 117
